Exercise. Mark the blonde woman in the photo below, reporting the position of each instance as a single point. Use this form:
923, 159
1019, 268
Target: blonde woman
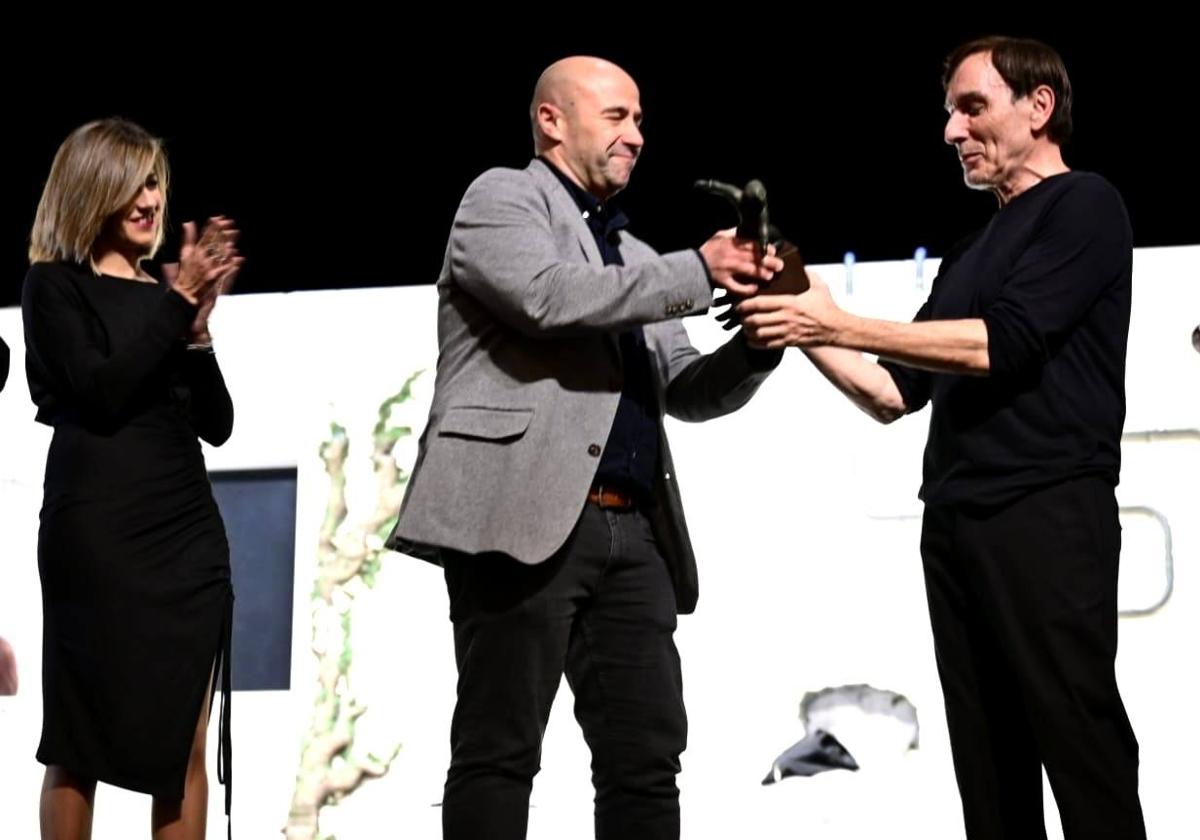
132, 553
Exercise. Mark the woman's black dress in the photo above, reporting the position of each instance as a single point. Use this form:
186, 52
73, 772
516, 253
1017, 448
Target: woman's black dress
134, 563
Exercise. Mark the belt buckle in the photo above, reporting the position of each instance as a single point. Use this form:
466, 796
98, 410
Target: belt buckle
618, 501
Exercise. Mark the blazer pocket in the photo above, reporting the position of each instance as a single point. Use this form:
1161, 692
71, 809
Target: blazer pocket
485, 423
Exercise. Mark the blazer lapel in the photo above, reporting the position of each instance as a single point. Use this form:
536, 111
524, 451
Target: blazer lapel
563, 205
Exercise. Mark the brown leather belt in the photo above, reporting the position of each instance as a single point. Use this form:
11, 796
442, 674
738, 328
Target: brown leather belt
610, 498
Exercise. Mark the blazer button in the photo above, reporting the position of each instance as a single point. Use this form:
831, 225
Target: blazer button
594, 450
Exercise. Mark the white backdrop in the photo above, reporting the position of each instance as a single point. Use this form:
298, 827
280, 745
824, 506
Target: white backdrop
804, 517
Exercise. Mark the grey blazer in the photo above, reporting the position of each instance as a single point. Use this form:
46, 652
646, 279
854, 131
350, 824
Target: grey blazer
529, 375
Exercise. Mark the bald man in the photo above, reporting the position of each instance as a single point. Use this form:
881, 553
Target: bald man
543, 482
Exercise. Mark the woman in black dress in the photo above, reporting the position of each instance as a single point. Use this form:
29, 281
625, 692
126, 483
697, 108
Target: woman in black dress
134, 564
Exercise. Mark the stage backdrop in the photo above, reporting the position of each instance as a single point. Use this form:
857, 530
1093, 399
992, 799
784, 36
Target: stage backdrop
805, 520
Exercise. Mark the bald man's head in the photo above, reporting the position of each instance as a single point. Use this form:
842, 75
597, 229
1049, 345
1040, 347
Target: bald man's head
585, 116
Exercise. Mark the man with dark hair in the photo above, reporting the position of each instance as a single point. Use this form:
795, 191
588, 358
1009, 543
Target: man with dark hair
1020, 349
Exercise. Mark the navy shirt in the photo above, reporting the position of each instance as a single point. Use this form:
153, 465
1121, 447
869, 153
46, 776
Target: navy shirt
630, 459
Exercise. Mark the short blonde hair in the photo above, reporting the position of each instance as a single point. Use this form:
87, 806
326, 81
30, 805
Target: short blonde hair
96, 172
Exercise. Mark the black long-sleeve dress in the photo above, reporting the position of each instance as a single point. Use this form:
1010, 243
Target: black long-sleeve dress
134, 563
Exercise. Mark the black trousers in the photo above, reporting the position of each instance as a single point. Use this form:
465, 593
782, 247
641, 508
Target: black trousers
1023, 603
602, 611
